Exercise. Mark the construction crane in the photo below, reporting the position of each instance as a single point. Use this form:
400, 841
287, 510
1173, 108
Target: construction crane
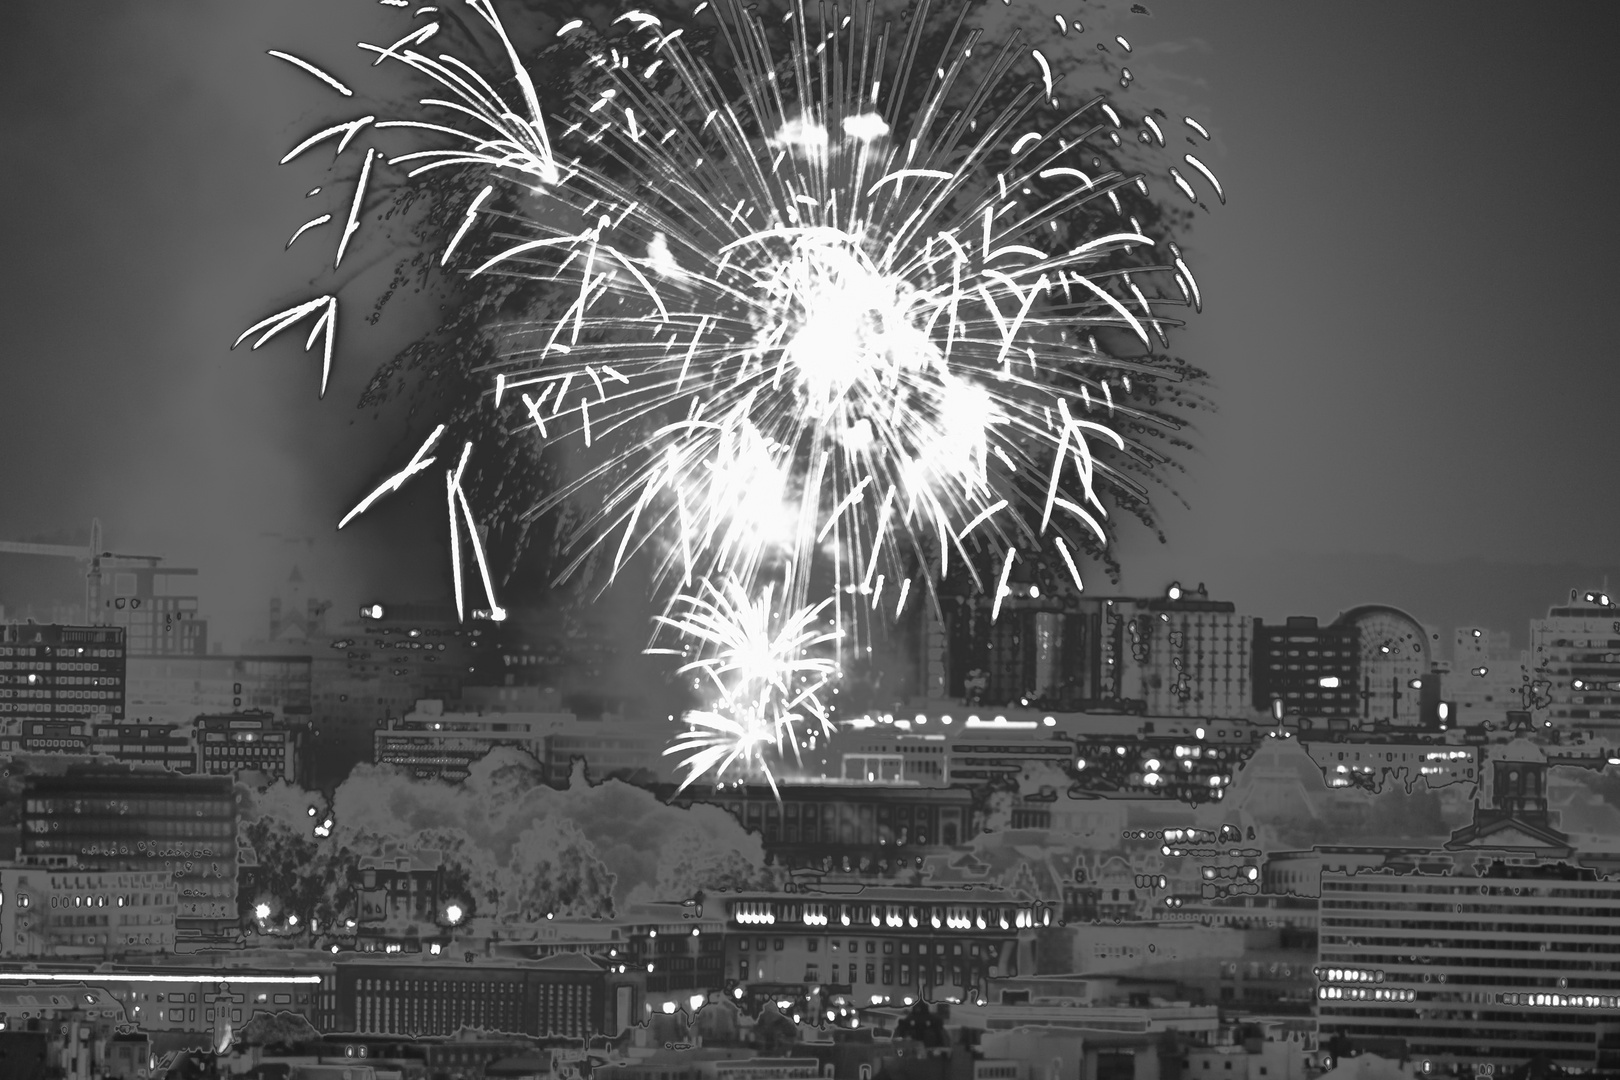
96, 561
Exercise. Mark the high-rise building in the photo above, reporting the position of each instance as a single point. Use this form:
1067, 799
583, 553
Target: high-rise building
1488, 677
150, 605
1314, 671
1046, 647
1575, 651
112, 819
1189, 656
60, 673
1472, 973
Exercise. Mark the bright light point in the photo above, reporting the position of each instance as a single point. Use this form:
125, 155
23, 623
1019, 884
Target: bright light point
866, 127
1035, 592
453, 914
695, 1002
292, 920
1198, 733
261, 911
669, 1008
737, 993
1330, 682
1174, 592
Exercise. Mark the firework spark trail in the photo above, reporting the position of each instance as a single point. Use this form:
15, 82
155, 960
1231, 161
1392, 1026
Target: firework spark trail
822, 321
814, 329
764, 673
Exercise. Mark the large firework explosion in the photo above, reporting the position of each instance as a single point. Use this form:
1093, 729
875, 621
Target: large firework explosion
826, 315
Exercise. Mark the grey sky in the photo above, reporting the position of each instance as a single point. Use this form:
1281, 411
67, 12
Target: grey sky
1407, 308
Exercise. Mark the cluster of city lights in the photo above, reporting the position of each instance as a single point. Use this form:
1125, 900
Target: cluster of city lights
1350, 975
1562, 1001
1358, 993
999, 723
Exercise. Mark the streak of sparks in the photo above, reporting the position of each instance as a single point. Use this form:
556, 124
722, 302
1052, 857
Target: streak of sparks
785, 301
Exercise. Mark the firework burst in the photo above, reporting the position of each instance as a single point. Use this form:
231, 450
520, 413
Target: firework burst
763, 673
896, 329
833, 313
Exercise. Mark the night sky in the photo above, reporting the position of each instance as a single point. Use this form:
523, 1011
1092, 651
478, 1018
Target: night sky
1408, 304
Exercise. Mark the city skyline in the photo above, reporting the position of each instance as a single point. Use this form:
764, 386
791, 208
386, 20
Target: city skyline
1325, 787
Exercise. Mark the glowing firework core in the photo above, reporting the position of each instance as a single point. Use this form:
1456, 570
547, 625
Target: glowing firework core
800, 342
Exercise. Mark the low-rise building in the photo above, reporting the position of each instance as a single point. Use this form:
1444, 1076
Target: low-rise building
85, 913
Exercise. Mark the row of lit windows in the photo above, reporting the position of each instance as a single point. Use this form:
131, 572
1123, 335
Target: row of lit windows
1521, 910
1364, 993
1494, 965
1562, 1001
41, 650
1545, 889
1607, 928
136, 806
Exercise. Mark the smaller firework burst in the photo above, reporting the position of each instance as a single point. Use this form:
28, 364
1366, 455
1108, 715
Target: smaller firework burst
763, 673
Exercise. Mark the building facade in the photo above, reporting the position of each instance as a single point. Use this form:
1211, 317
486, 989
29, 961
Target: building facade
150, 604
171, 747
1312, 671
116, 820
884, 945
1472, 971
1575, 652
558, 996
178, 689
432, 743
242, 742
67, 914
854, 826
60, 673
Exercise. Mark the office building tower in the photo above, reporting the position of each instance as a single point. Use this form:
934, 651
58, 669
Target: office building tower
1312, 671
1472, 973
110, 819
148, 602
1575, 652
60, 673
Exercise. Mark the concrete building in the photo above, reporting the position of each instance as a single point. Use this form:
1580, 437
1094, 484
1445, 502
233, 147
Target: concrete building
1188, 656
559, 995
247, 742
151, 604
59, 673
875, 828
1488, 676
172, 748
1371, 765
1313, 671
430, 742
1575, 652
883, 945
110, 819
1394, 659
178, 689
1474, 972
84, 914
